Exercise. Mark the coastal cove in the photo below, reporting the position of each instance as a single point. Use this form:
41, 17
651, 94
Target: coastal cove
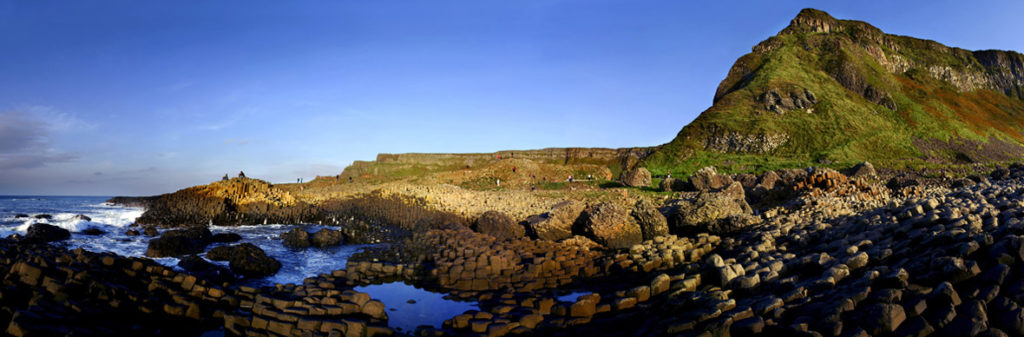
426, 308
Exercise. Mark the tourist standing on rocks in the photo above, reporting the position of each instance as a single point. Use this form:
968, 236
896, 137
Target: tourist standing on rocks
225, 177
349, 180
513, 169
241, 174
668, 174
497, 182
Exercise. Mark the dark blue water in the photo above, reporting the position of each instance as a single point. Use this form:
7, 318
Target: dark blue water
429, 309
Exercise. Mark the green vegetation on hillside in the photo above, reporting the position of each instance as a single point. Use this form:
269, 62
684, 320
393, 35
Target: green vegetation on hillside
876, 95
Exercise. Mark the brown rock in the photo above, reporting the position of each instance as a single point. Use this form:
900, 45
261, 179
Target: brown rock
638, 177
652, 222
610, 225
499, 225
556, 224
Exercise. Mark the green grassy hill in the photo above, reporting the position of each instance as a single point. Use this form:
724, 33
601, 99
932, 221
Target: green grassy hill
836, 91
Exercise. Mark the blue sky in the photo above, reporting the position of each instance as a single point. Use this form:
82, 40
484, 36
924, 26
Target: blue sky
139, 98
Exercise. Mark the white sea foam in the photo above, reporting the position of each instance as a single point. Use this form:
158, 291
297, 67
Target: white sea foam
100, 216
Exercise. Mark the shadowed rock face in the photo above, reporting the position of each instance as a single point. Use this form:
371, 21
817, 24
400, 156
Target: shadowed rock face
652, 222
179, 242
556, 224
246, 260
499, 225
41, 232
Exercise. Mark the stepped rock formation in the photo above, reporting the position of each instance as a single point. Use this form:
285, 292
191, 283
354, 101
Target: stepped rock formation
840, 90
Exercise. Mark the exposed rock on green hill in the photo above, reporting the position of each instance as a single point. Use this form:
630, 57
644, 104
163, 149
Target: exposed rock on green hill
832, 90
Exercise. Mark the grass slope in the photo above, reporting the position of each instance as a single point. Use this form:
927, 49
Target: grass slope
876, 94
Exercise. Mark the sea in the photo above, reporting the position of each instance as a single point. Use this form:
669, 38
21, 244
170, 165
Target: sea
408, 306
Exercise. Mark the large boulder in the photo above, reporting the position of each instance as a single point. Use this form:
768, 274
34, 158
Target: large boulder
40, 232
709, 210
864, 169
295, 238
707, 178
226, 237
326, 237
557, 223
901, 181
638, 177
246, 259
204, 269
192, 240
499, 225
652, 222
610, 225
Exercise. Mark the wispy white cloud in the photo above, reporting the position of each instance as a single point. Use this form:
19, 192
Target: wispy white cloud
25, 140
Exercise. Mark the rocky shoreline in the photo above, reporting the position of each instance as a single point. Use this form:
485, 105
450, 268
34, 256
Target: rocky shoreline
796, 252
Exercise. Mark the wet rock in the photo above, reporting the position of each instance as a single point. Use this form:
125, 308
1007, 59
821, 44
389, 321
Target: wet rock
326, 237
246, 259
652, 222
40, 232
499, 225
226, 237
205, 269
150, 231
637, 177
180, 242
132, 232
295, 238
43, 216
556, 224
81, 217
20, 216
610, 225
93, 231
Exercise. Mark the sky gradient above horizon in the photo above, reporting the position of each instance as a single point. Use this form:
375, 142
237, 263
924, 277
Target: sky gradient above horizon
128, 98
